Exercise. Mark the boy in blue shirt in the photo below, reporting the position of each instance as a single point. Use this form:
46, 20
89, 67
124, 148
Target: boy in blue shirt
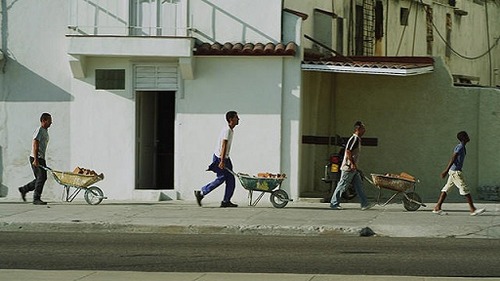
456, 178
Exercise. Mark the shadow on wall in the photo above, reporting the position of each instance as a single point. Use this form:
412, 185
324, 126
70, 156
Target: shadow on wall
26, 86
3, 189
216, 11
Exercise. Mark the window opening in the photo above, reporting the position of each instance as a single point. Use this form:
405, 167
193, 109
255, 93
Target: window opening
340, 35
379, 20
359, 31
448, 36
403, 16
110, 79
430, 30
322, 29
153, 17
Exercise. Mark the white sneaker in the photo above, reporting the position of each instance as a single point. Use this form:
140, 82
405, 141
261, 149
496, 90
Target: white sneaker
477, 212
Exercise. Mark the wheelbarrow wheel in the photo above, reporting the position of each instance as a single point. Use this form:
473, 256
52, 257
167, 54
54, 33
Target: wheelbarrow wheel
412, 201
279, 198
94, 195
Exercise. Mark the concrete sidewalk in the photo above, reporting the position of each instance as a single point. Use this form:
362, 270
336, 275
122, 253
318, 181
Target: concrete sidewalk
297, 218
180, 217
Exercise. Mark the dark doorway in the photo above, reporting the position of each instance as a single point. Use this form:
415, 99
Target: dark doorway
155, 113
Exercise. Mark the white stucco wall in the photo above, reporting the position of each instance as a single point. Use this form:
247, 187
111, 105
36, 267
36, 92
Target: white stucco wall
250, 86
35, 78
102, 129
236, 21
96, 128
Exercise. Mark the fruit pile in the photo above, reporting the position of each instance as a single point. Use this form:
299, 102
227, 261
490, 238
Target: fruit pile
271, 176
87, 172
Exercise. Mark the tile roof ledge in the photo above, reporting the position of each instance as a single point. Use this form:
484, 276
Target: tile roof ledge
247, 49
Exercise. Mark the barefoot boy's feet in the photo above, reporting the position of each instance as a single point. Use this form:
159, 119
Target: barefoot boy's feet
439, 212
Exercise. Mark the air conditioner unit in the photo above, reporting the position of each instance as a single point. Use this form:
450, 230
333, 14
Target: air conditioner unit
458, 8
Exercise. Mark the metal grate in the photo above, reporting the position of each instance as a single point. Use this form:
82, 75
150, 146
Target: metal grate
368, 27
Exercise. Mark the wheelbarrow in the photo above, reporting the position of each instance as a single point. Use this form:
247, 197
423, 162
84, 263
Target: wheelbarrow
399, 184
279, 198
93, 194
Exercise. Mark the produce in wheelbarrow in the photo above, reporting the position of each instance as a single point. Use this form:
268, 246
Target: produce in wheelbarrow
88, 172
401, 184
79, 181
265, 183
271, 175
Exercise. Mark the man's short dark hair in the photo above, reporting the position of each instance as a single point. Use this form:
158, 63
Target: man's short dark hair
462, 135
45, 116
358, 125
230, 115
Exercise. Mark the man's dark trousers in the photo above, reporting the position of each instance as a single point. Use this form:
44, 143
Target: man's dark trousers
37, 184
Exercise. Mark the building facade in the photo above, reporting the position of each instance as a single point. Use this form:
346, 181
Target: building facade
138, 90
369, 60
463, 32
135, 94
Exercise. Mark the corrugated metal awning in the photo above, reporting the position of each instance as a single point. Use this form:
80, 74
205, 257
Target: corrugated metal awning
398, 66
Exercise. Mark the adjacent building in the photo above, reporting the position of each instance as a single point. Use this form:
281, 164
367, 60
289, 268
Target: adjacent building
415, 71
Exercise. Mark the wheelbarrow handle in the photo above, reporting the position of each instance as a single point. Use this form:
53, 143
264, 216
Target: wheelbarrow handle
231, 171
46, 168
369, 180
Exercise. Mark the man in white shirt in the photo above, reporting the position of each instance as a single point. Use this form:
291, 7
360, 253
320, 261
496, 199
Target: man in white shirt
221, 162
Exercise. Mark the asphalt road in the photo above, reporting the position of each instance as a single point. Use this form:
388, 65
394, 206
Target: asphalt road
251, 254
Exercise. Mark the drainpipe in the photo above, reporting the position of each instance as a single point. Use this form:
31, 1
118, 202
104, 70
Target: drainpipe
490, 72
386, 27
3, 49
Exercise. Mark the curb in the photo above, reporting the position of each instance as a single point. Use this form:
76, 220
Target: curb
177, 229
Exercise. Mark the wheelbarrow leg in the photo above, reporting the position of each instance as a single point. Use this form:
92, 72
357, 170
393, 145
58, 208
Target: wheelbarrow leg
388, 201
67, 196
254, 203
